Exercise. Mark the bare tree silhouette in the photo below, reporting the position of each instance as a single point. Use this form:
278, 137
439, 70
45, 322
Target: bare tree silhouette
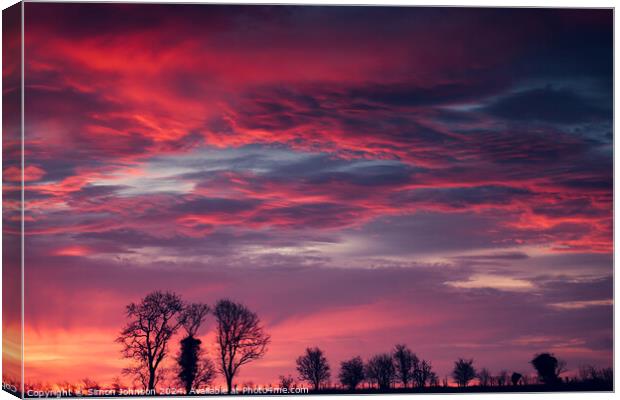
463, 372
313, 367
351, 372
484, 376
502, 378
561, 368
193, 317
193, 368
548, 368
433, 380
380, 370
89, 385
287, 382
405, 362
526, 380
240, 337
153, 321
589, 373
206, 373
422, 373
116, 384
62, 386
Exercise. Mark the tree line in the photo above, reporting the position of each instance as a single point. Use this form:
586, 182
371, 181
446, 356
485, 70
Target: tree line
402, 368
240, 339
385, 370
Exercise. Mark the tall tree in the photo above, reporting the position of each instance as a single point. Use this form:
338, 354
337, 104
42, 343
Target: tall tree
380, 370
193, 367
153, 321
313, 367
351, 372
463, 371
405, 362
240, 338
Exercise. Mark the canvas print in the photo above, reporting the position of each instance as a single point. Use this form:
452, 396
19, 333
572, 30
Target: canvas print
249, 199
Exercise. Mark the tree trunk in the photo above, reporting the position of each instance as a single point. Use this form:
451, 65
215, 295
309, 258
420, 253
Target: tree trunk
151, 379
229, 384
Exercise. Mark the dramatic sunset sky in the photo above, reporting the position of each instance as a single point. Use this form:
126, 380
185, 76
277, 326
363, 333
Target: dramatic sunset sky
358, 176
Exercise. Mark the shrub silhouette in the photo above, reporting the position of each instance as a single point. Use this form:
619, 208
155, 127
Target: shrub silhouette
548, 368
515, 378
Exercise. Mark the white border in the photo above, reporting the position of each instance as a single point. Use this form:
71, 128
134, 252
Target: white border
467, 3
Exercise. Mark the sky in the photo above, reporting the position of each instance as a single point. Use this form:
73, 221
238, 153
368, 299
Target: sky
357, 176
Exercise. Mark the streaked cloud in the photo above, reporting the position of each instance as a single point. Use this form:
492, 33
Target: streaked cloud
575, 305
482, 281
